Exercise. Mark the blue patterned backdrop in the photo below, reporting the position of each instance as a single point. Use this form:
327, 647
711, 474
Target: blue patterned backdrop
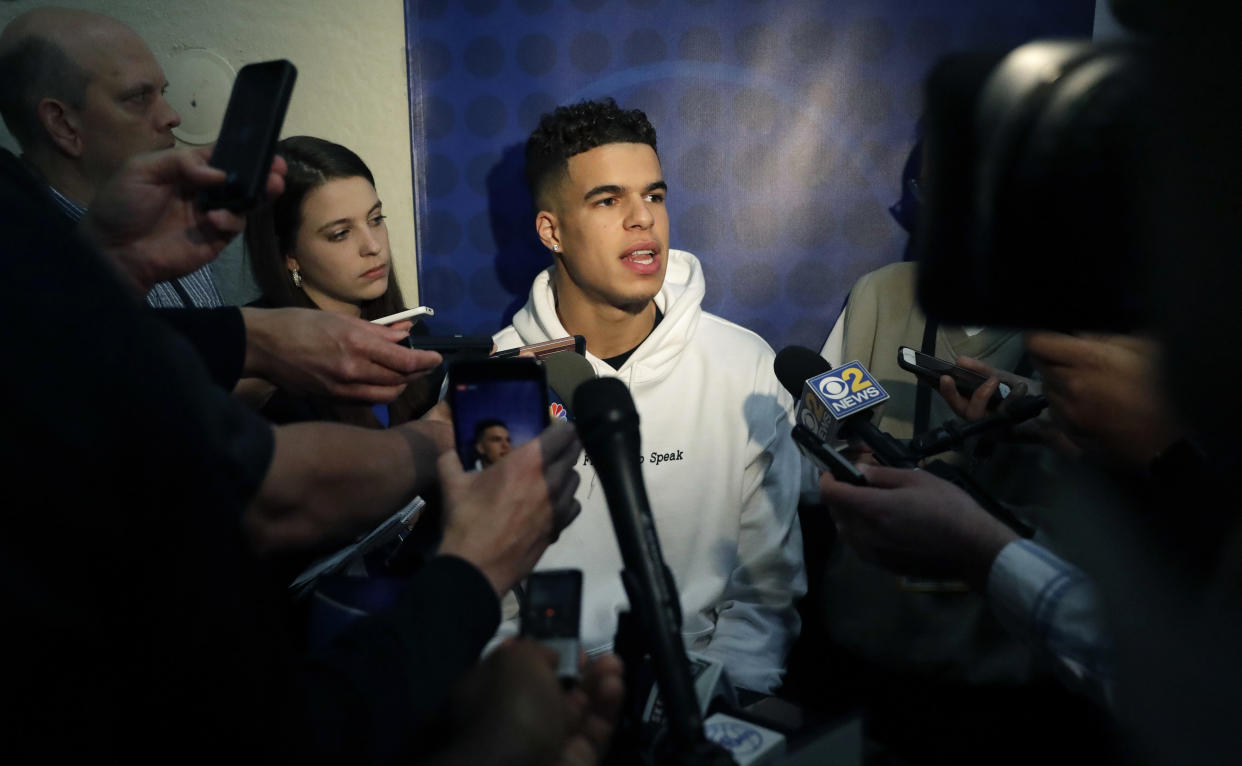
783, 127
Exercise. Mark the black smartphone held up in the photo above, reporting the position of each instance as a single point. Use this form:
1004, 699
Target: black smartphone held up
247, 141
826, 458
497, 404
550, 615
929, 369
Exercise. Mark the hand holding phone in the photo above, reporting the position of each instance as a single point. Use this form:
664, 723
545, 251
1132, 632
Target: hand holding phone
929, 369
413, 314
826, 458
247, 140
497, 405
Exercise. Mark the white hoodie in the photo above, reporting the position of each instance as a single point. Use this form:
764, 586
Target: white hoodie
722, 474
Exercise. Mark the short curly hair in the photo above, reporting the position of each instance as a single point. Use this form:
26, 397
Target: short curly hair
574, 129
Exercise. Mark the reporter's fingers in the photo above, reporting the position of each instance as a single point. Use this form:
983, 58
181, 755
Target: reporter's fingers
887, 477
952, 397
564, 490
537, 652
977, 407
559, 443
448, 468
578, 751
366, 392
226, 222
276, 177
440, 413
387, 352
189, 166
1055, 348
601, 680
878, 478
563, 517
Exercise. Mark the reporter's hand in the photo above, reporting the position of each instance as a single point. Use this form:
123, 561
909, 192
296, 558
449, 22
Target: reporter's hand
501, 519
511, 709
432, 435
147, 220
914, 523
975, 407
318, 352
1104, 393
1041, 429
594, 708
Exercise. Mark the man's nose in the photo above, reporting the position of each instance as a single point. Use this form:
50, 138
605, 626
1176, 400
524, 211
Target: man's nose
168, 117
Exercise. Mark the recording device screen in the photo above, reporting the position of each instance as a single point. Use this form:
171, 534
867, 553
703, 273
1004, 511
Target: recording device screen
553, 600
497, 406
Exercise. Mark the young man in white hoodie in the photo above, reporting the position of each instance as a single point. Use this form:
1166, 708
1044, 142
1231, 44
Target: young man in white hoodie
721, 470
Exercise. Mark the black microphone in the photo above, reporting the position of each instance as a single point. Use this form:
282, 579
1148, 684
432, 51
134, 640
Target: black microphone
953, 433
608, 426
794, 366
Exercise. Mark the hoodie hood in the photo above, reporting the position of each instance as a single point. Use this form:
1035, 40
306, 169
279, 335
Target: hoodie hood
680, 300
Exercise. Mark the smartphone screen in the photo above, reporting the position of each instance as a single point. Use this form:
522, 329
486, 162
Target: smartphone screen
498, 405
247, 140
551, 615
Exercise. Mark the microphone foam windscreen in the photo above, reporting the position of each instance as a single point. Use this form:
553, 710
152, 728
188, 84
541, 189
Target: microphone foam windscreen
602, 404
794, 365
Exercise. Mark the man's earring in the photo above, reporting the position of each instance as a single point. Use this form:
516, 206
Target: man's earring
556, 248
297, 278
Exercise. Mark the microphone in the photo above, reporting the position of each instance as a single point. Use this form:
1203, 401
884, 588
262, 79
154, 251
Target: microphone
953, 433
608, 426
816, 413
566, 371
835, 403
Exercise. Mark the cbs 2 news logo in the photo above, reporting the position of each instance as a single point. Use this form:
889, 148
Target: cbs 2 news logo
847, 389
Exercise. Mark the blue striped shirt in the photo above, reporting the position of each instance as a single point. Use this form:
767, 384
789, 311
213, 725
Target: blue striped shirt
194, 290
1052, 605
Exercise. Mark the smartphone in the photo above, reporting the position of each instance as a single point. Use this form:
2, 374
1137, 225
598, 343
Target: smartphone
452, 346
498, 405
826, 458
929, 369
575, 343
414, 314
550, 614
247, 141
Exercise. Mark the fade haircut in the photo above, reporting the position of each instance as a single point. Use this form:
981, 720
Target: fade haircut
36, 68
574, 129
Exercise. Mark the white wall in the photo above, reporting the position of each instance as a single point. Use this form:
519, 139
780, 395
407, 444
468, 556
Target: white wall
351, 84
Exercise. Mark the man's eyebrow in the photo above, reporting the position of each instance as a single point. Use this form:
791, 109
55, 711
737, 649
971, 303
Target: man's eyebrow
657, 186
139, 90
604, 189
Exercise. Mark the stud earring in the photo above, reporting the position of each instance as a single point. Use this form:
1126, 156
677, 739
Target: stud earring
556, 248
297, 278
